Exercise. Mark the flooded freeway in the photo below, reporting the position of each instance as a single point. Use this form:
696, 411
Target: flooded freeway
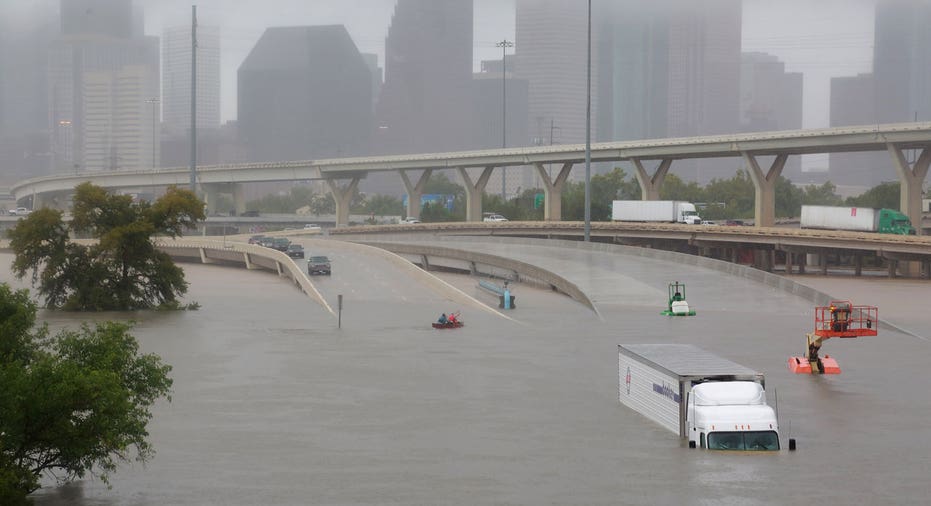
273, 404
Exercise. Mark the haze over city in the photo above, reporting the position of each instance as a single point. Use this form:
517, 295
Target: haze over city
808, 43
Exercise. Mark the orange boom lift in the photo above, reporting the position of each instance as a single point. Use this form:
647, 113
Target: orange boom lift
840, 319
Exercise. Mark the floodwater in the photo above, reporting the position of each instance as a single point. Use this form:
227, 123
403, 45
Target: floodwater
273, 404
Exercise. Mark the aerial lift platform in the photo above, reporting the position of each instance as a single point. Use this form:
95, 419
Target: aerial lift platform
840, 319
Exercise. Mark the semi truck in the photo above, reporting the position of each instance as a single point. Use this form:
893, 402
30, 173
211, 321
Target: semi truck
711, 401
672, 211
856, 219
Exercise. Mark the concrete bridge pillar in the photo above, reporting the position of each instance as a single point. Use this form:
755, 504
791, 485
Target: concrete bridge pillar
650, 185
239, 198
415, 191
765, 188
552, 191
911, 179
211, 194
342, 196
474, 192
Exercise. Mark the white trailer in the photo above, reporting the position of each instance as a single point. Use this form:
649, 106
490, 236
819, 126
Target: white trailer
672, 211
707, 399
856, 219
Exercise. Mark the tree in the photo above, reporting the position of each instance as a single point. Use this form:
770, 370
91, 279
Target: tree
885, 195
75, 404
383, 205
122, 270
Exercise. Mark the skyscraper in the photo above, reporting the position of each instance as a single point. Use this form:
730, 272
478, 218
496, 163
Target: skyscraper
176, 79
305, 93
425, 101
675, 72
550, 50
770, 97
25, 31
896, 92
101, 72
902, 61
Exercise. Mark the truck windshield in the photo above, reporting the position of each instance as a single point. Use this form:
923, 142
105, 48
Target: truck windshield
752, 441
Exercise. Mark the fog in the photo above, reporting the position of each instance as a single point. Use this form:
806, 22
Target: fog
820, 40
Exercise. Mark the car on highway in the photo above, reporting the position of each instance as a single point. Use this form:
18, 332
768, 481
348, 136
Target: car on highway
494, 217
409, 220
256, 239
250, 214
19, 211
312, 226
318, 265
295, 250
281, 244
708, 222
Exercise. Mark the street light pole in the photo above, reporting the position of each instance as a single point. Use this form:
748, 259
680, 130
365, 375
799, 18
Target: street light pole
193, 181
588, 130
154, 101
504, 45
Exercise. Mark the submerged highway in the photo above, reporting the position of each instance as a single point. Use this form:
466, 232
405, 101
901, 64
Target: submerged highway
273, 404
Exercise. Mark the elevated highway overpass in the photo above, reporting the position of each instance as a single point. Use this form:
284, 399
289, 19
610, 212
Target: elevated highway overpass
792, 247
475, 168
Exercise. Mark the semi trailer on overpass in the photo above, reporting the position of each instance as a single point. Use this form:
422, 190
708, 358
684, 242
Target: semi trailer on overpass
856, 219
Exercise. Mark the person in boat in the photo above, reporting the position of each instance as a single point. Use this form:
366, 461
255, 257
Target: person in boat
443, 319
677, 297
453, 319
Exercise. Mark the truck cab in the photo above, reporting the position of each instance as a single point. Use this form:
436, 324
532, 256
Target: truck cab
688, 214
891, 221
731, 415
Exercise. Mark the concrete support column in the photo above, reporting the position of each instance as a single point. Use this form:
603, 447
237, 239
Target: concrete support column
801, 263
911, 179
239, 198
858, 265
788, 262
415, 191
650, 185
823, 258
211, 193
342, 196
474, 192
38, 201
765, 188
552, 191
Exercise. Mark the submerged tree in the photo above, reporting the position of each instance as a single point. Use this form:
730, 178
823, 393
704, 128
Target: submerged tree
74, 404
122, 269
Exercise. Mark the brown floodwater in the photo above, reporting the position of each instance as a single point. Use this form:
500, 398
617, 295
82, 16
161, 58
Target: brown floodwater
273, 404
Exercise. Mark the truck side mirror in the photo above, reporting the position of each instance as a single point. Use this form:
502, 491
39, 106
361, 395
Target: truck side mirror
691, 444
792, 444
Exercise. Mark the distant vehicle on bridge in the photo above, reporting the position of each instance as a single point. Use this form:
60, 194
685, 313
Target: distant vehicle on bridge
856, 219
494, 217
673, 211
19, 211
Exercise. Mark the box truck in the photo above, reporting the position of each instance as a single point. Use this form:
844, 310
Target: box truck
709, 400
672, 211
857, 219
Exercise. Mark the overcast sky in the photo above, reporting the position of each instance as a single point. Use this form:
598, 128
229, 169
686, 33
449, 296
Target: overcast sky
822, 39
243, 22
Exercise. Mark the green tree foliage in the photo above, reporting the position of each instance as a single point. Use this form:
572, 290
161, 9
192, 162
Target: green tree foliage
122, 269
883, 196
824, 195
383, 205
674, 188
75, 404
605, 188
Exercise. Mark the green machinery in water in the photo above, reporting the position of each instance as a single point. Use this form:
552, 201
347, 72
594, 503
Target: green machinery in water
677, 305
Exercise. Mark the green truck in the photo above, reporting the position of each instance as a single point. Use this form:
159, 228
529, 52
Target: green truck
857, 219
